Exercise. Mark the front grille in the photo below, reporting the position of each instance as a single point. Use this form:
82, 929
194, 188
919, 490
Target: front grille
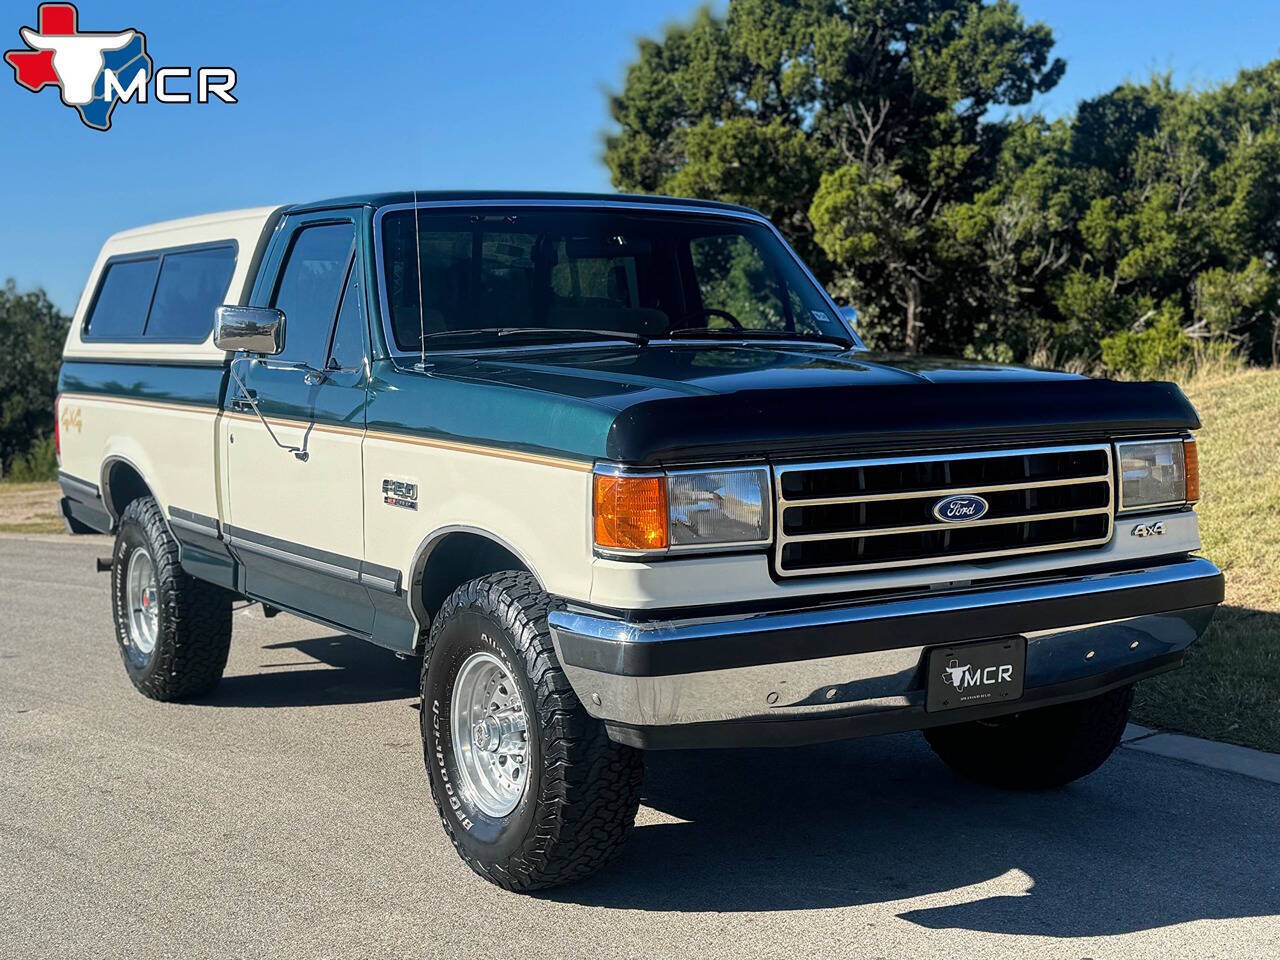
852, 515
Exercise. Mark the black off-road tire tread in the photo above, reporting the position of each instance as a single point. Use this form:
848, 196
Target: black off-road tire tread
591, 785
195, 616
1040, 749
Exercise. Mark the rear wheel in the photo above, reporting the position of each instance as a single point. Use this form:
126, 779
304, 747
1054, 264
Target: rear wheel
174, 631
1037, 749
529, 787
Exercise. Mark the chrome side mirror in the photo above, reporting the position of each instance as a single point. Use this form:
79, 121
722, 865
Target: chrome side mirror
850, 315
251, 329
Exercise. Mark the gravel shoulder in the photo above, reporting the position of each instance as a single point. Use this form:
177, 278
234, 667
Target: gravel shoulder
30, 508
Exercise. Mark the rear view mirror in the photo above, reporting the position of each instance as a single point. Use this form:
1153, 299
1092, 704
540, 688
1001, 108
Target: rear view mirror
606, 248
248, 329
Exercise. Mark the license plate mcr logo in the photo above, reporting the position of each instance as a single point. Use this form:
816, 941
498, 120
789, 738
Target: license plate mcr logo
965, 676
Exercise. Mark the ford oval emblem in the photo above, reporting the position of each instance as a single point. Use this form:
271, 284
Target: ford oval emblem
960, 509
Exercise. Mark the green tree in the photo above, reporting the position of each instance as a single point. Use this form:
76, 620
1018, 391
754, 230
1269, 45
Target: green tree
855, 126
1181, 200
31, 337
873, 134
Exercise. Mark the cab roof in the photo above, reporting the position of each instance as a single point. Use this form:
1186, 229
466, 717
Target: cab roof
376, 200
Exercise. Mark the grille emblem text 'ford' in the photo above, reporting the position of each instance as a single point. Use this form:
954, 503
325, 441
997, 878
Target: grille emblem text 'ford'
959, 509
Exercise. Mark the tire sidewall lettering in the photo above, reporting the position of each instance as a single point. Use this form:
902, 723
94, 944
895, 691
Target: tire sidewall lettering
470, 631
442, 769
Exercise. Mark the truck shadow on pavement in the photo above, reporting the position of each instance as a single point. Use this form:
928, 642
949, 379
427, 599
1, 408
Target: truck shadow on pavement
331, 670
1141, 844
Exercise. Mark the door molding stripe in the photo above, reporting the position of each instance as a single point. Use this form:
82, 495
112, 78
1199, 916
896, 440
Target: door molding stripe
333, 570
350, 569
196, 522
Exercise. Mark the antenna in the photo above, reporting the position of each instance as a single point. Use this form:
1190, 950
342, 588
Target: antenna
422, 317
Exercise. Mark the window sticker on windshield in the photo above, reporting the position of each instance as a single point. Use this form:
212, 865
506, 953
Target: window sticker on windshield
820, 316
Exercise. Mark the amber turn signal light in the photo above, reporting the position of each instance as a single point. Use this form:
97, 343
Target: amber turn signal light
1192, 458
630, 512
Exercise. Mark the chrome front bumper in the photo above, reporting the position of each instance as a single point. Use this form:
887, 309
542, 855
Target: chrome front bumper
844, 670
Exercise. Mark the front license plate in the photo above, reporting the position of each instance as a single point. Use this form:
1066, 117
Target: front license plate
971, 674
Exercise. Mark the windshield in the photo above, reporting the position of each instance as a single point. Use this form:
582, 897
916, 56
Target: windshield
642, 275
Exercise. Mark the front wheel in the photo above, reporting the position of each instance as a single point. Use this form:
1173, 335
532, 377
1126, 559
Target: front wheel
530, 789
1038, 749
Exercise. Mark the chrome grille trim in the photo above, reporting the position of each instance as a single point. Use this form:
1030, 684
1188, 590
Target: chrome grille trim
783, 503
942, 492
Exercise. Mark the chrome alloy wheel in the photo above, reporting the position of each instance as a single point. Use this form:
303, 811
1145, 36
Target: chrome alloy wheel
490, 736
143, 599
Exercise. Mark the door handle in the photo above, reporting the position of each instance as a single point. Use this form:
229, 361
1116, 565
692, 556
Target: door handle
248, 400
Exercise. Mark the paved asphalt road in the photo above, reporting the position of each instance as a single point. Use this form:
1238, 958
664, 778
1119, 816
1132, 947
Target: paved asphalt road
287, 815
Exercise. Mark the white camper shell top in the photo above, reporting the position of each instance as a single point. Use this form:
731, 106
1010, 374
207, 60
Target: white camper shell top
244, 228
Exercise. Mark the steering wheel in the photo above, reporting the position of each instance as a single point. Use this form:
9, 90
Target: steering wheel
713, 312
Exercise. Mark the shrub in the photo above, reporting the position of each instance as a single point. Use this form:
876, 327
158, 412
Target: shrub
31, 335
38, 464
1150, 353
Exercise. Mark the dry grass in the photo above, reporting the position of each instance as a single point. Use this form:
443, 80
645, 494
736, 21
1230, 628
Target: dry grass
30, 508
1230, 686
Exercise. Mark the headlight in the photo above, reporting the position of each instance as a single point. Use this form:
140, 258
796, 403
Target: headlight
718, 507
1158, 473
654, 513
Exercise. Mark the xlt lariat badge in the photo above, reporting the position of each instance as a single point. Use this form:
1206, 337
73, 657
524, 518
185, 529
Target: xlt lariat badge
400, 493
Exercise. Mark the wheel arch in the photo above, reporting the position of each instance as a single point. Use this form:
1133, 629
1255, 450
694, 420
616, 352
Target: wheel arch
121, 482
449, 557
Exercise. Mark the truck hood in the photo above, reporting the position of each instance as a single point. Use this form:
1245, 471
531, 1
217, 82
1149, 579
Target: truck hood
679, 402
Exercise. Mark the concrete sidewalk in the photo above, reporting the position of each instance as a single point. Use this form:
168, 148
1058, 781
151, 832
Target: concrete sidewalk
1205, 753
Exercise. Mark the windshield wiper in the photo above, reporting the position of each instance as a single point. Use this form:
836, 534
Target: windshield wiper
554, 333
728, 333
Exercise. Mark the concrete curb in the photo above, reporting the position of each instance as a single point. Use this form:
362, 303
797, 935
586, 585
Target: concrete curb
1228, 757
57, 537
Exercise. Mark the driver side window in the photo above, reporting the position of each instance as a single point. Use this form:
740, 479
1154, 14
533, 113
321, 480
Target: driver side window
308, 289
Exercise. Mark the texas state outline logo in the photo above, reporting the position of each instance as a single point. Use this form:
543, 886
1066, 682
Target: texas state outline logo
95, 71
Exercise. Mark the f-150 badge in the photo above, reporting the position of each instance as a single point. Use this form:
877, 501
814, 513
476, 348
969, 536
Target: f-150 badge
400, 493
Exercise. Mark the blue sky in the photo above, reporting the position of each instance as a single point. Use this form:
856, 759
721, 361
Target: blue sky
338, 97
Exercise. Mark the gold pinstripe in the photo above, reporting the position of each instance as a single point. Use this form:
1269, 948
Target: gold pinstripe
137, 402
581, 466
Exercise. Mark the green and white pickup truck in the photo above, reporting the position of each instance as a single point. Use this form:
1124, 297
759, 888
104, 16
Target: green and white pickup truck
623, 475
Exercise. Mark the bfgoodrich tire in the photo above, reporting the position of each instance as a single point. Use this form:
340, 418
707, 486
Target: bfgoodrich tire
173, 630
1039, 749
530, 789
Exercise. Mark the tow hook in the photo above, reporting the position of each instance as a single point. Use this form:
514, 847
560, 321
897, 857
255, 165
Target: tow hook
103, 564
